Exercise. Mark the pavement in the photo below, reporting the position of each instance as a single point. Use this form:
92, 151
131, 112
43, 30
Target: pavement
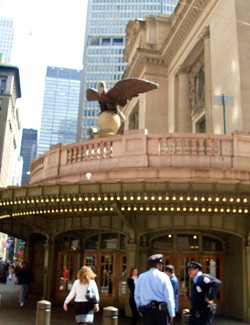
12, 314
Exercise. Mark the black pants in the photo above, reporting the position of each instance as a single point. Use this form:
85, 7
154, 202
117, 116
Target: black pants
134, 310
154, 316
202, 318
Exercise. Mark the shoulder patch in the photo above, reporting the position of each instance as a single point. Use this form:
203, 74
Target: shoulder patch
206, 279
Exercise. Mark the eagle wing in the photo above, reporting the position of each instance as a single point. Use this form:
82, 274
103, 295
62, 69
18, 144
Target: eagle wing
92, 94
126, 89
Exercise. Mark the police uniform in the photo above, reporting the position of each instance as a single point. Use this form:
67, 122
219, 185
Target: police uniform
154, 295
203, 286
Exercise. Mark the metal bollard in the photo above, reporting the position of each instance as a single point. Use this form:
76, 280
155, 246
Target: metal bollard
110, 316
185, 319
43, 312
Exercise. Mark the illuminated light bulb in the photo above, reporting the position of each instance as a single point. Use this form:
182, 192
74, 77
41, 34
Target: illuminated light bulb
195, 198
194, 237
80, 209
52, 199
181, 198
153, 208
135, 208
172, 209
246, 211
86, 198
147, 208
65, 210
197, 209
209, 210
57, 199
80, 199
37, 201
125, 198
238, 199
132, 198
190, 209
111, 209
129, 208
209, 199
234, 210
100, 209
152, 197
105, 198
174, 198
63, 199
122, 208
188, 198
99, 198
145, 198
217, 199
224, 199
159, 197
203, 209
74, 199
111, 198
166, 209
118, 198
202, 198
159, 208
167, 198
141, 208
228, 210
93, 198
23, 202
169, 235
215, 210
85, 209
184, 209
90, 209
231, 199
245, 200
178, 209
221, 210
46, 200
138, 197
240, 210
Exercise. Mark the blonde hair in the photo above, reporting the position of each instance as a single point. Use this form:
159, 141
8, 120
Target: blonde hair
85, 274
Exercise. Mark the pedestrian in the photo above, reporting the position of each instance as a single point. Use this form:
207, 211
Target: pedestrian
24, 277
170, 271
154, 295
204, 289
131, 281
84, 310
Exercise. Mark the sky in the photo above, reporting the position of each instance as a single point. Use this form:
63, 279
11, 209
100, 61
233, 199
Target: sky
47, 33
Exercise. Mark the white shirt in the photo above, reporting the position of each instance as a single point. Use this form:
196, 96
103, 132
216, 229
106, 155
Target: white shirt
78, 291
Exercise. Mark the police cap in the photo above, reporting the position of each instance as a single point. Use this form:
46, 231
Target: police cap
194, 265
154, 259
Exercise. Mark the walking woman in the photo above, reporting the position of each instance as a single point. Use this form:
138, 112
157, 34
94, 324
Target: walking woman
131, 284
84, 310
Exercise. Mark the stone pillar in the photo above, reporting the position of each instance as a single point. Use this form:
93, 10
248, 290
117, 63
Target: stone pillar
207, 73
246, 285
131, 262
48, 268
184, 113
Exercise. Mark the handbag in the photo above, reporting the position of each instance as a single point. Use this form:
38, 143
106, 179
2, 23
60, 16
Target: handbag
90, 295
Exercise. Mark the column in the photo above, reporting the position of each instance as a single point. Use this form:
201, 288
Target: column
246, 276
131, 262
207, 72
184, 112
48, 269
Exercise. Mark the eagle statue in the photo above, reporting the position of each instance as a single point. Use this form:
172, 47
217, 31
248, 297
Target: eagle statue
119, 95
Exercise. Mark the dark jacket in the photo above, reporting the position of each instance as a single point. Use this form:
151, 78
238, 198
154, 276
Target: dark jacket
24, 276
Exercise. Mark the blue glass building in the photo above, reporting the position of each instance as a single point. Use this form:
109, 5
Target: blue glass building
104, 48
60, 108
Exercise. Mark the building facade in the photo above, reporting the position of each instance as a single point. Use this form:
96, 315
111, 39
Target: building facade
6, 37
104, 48
60, 108
28, 152
164, 186
9, 121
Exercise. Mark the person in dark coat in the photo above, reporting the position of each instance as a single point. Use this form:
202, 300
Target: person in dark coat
131, 284
24, 278
204, 290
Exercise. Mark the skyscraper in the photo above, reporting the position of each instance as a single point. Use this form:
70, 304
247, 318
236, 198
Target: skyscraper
60, 107
104, 48
6, 37
28, 152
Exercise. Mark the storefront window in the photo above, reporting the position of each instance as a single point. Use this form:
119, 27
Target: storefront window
187, 242
163, 243
211, 244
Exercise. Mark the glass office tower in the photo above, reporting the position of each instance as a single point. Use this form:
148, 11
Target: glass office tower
28, 152
104, 48
60, 108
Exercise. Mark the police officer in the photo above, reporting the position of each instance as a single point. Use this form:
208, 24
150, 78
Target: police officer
204, 290
154, 294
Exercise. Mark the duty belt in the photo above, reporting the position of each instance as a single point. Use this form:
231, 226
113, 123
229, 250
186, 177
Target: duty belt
154, 305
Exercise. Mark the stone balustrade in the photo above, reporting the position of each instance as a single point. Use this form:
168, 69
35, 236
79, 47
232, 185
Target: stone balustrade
137, 154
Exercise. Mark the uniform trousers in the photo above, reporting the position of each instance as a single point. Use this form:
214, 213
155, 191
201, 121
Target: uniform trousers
201, 318
154, 316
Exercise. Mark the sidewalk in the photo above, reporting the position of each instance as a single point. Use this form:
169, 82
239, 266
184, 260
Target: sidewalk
12, 314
